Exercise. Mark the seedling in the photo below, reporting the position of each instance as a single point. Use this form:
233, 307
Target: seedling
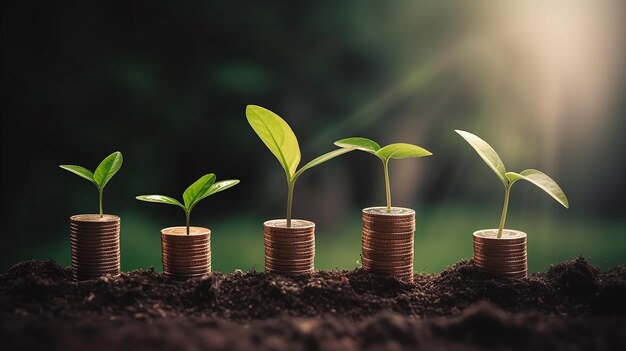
104, 172
280, 139
491, 158
385, 154
200, 189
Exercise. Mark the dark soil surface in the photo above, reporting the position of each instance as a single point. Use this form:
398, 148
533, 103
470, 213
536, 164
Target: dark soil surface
572, 306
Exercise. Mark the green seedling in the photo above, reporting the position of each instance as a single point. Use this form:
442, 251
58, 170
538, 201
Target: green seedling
491, 158
280, 139
200, 189
385, 154
104, 172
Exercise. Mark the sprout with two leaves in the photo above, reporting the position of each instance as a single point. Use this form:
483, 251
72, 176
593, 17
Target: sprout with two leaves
104, 172
491, 158
385, 154
280, 139
200, 189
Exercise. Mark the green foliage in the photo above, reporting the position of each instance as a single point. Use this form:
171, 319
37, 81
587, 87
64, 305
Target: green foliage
538, 178
282, 142
276, 135
391, 151
103, 174
199, 190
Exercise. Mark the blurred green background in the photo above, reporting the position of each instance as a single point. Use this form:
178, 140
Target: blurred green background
167, 84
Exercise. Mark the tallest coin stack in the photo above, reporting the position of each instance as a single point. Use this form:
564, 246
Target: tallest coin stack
387, 241
95, 246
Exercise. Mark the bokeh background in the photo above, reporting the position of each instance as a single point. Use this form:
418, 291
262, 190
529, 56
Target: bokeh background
167, 84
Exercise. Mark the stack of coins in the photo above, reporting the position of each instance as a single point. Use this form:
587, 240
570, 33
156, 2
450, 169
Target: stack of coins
387, 241
289, 250
186, 256
501, 257
94, 246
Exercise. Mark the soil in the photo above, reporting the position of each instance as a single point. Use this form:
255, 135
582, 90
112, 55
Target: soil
572, 306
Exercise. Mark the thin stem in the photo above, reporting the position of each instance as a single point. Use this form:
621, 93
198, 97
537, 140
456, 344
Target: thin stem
387, 185
290, 186
100, 202
187, 214
504, 209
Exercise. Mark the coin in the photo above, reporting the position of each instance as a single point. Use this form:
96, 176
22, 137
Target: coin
185, 256
387, 236
500, 258
299, 241
505, 256
289, 267
289, 271
96, 261
94, 246
186, 253
387, 241
387, 255
289, 250
382, 242
289, 255
383, 247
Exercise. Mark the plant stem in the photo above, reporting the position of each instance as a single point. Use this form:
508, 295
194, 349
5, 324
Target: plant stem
290, 186
387, 185
187, 215
100, 202
507, 190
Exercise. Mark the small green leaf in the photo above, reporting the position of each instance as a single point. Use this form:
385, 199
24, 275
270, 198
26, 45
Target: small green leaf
196, 191
220, 186
161, 199
80, 171
487, 153
276, 135
107, 169
400, 151
512, 177
321, 159
359, 143
547, 184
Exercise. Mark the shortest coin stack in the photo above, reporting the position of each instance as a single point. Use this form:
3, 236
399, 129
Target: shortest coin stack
501, 257
289, 250
387, 242
186, 256
94, 246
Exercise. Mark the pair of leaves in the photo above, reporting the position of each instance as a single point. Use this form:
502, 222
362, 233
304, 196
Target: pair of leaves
391, 151
199, 190
282, 142
491, 158
103, 173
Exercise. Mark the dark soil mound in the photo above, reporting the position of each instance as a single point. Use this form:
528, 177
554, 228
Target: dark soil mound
573, 305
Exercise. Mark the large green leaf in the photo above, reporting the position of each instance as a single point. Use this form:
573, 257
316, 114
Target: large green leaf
545, 183
401, 150
359, 143
321, 159
80, 171
487, 153
107, 169
161, 199
220, 186
197, 191
276, 135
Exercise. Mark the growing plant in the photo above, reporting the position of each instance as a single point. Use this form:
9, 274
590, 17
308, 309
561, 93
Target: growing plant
104, 172
280, 139
491, 158
200, 189
385, 154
